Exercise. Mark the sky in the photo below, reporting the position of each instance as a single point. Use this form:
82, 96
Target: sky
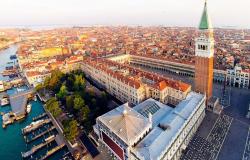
223, 13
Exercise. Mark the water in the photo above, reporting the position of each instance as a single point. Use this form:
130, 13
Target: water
5, 57
12, 142
11, 139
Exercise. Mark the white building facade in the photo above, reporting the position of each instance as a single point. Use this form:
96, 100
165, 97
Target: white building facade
131, 85
153, 131
238, 78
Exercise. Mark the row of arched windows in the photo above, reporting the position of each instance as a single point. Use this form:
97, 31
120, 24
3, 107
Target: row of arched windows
202, 47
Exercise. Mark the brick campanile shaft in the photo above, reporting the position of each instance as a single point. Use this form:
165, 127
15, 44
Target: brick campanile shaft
204, 56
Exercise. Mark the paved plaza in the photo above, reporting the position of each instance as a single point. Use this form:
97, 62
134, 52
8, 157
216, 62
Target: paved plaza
234, 144
208, 148
246, 155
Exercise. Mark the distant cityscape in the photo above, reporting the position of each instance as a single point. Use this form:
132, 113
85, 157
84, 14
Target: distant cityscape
126, 92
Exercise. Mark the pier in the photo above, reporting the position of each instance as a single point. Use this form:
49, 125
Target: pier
39, 135
36, 148
19, 101
39, 116
52, 151
10, 72
5, 85
34, 125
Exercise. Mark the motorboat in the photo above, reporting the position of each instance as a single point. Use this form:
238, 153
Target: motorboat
34, 124
20, 89
1, 86
49, 138
35, 98
4, 101
28, 108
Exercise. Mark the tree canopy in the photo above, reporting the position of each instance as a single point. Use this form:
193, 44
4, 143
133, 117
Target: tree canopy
84, 113
70, 129
79, 82
62, 92
83, 102
70, 102
78, 102
52, 105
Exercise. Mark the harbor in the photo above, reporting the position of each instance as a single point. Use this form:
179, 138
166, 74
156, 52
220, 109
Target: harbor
44, 133
19, 106
11, 80
10, 75
37, 141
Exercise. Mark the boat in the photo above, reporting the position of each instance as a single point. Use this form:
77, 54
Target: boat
9, 67
1, 86
34, 124
28, 108
10, 62
35, 98
9, 72
13, 57
4, 101
49, 138
7, 118
20, 89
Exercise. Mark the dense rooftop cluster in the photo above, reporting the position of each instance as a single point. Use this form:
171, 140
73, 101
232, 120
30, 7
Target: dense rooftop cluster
8, 37
58, 48
174, 44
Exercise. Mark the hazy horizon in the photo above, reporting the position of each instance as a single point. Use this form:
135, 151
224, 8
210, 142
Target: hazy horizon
181, 13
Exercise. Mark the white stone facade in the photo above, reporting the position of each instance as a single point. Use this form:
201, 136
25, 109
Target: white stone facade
155, 142
238, 78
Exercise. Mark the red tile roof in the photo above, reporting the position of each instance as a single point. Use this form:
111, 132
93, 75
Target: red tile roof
135, 75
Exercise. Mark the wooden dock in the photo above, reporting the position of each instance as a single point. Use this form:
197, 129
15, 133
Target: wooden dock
36, 148
39, 135
39, 116
52, 151
32, 128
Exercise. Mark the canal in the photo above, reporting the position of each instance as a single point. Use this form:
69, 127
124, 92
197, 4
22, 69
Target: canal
5, 58
12, 142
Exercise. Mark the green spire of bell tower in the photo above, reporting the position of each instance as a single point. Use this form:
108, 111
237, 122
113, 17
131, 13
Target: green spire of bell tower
205, 21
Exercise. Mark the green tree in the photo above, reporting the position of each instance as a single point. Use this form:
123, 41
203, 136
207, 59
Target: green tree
54, 81
93, 102
70, 82
84, 113
78, 102
52, 105
62, 92
79, 82
46, 82
70, 102
104, 98
70, 129
91, 92
39, 87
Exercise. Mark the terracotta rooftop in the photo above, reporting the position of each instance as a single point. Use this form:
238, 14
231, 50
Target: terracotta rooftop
136, 77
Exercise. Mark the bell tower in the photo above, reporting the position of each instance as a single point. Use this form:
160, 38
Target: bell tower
204, 56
